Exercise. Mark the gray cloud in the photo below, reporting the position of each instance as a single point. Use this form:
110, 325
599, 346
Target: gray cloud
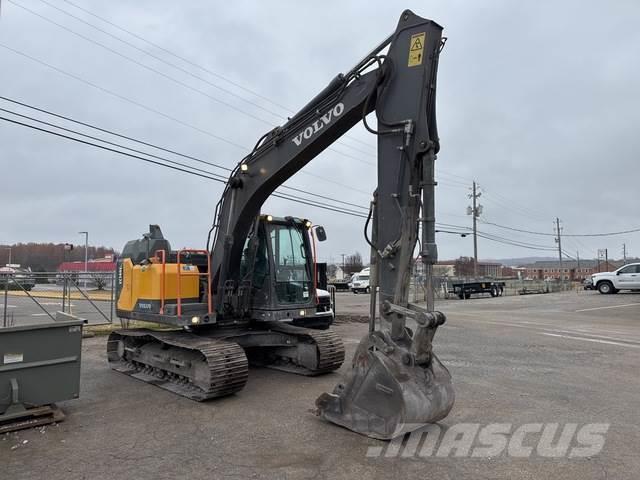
537, 101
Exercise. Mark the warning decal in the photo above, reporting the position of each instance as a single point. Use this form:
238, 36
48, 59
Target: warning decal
416, 49
13, 358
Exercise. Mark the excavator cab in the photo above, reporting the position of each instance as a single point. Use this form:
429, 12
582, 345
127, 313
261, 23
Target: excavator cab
278, 263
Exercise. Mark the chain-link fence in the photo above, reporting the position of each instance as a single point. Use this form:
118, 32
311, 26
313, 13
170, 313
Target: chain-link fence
31, 297
443, 285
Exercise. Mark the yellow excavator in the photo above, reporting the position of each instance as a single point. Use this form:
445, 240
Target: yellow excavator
252, 296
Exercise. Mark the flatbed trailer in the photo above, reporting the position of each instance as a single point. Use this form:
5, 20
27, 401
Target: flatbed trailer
465, 289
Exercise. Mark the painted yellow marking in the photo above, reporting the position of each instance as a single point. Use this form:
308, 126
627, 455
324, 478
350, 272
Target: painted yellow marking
416, 49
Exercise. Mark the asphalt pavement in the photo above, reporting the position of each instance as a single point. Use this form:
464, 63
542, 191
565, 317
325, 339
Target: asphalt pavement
43, 305
563, 359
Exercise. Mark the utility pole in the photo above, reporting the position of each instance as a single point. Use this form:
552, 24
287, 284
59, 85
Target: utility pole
559, 241
343, 272
624, 253
600, 257
475, 210
606, 259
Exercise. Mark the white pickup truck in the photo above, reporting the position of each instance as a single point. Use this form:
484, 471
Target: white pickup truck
626, 277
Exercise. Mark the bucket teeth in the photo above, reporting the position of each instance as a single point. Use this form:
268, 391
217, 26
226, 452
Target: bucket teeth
385, 395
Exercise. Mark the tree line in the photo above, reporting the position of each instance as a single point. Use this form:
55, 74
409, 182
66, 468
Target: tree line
47, 257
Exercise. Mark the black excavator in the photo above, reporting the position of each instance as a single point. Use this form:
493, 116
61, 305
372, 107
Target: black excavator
253, 296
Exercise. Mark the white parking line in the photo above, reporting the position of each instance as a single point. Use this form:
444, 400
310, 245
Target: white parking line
550, 328
590, 340
611, 306
39, 314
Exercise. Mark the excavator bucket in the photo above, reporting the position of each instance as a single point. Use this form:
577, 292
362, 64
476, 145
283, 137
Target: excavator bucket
390, 391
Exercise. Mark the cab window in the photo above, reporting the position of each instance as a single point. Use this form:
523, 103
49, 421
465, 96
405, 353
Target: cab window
629, 269
288, 251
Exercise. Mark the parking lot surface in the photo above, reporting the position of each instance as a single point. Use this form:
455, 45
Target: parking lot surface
556, 358
46, 301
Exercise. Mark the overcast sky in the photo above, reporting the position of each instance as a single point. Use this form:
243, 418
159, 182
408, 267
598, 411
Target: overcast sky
538, 101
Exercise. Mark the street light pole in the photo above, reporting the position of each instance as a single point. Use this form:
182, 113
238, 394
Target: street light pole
86, 255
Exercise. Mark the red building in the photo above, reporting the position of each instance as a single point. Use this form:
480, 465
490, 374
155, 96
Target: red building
106, 264
571, 269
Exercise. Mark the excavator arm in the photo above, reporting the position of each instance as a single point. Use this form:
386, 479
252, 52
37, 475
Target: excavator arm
399, 86
396, 383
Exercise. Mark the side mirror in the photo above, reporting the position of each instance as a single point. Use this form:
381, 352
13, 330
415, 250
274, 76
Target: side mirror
618, 272
321, 234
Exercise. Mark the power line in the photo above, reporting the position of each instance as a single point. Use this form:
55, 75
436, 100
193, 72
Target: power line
169, 77
136, 62
175, 55
132, 45
507, 206
107, 142
110, 132
194, 64
514, 244
518, 242
218, 178
44, 130
126, 99
160, 59
153, 110
526, 211
493, 236
188, 170
608, 234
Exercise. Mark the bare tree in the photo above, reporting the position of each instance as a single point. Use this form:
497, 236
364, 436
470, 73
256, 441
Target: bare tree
353, 263
464, 267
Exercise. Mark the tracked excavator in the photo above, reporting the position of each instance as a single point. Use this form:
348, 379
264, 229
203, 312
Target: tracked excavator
252, 296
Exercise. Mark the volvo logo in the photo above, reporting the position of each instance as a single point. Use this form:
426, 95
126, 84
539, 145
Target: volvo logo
319, 124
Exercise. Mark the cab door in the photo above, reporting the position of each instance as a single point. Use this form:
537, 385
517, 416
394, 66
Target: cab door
635, 277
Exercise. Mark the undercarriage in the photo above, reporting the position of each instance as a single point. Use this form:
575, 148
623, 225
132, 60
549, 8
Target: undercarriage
207, 363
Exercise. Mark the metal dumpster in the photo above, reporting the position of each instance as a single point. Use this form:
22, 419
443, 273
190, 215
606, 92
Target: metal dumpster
39, 365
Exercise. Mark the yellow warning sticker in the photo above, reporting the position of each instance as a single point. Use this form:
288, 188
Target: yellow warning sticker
416, 49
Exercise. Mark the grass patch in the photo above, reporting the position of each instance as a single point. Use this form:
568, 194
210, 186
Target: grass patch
97, 295
106, 329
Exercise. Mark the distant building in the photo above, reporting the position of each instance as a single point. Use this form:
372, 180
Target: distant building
106, 264
488, 269
571, 269
450, 268
513, 272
